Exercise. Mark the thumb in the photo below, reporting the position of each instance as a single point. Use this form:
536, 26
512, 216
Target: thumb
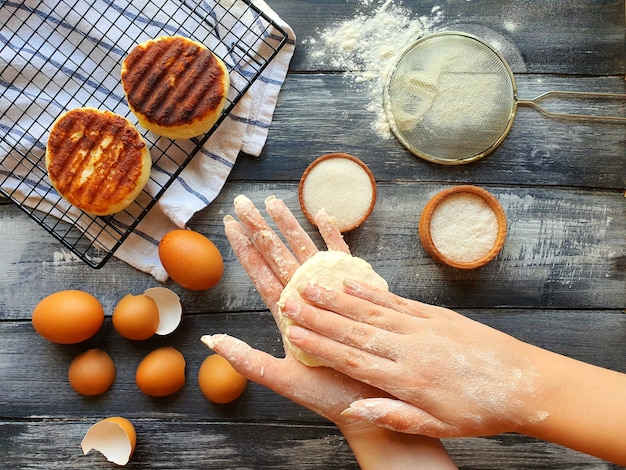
256, 365
397, 415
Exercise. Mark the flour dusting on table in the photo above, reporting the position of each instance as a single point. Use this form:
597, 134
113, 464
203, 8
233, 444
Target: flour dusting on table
366, 46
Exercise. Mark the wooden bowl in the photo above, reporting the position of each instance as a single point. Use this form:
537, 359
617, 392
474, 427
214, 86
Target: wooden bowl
436, 253
342, 185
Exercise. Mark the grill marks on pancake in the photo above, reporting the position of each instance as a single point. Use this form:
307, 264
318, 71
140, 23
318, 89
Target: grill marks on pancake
96, 158
173, 81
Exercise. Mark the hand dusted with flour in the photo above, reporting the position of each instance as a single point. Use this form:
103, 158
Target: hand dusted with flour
452, 376
456, 377
399, 370
271, 265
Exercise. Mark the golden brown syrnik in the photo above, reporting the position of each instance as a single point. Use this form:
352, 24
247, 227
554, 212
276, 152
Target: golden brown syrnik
97, 160
175, 86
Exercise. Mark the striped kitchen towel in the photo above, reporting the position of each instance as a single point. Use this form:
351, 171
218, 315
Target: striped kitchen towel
245, 129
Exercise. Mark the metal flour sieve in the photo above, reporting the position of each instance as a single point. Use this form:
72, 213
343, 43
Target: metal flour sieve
451, 98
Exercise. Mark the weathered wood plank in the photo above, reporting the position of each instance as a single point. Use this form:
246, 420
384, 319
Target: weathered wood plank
560, 282
172, 444
565, 249
44, 420
517, 452
538, 150
53, 444
583, 37
34, 371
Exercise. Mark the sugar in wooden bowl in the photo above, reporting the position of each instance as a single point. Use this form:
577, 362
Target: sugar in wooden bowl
342, 185
463, 227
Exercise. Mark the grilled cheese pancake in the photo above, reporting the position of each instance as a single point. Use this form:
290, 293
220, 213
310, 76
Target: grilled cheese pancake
97, 160
176, 87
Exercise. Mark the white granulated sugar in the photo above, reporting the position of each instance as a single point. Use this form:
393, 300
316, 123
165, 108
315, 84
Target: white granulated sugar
463, 227
367, 45
341, 187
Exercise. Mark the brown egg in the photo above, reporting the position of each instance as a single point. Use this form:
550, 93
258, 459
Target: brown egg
136, 317
161, 372
191, 259
68, 316
219, 381
91, 372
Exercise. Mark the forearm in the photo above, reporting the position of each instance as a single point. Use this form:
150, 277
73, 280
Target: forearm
584, 405
376, 448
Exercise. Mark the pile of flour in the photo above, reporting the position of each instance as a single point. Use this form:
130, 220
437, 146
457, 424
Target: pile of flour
366, 46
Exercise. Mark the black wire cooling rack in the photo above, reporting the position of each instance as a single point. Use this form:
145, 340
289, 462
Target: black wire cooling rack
68, 54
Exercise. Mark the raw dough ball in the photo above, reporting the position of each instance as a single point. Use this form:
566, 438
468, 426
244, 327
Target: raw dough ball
331, 269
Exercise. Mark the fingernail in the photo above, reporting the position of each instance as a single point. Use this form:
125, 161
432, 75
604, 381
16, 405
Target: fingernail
212, 340
291, 308
352, 286
295, 333
354, 412
310, 292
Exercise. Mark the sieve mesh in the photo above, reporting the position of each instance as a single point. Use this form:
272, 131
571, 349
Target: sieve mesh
450, 98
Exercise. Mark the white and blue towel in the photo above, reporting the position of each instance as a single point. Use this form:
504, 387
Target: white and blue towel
245, 129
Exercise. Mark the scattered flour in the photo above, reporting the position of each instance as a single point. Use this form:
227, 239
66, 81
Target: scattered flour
64, 256
366, 46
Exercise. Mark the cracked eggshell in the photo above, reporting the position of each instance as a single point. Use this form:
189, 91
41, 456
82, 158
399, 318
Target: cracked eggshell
114, 438
169, 306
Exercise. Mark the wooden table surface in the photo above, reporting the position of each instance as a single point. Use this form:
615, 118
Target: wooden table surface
559, 281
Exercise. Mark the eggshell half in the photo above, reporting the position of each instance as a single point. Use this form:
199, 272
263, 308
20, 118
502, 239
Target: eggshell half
115, 438
169, 306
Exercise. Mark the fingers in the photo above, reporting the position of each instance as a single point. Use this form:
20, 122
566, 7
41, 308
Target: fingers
277, 374
280, 259
339, 329
355, 308
262, 276
392, 301
299, 241
323, 390
271, 247
331, 234
399, 416
251, 363
368, 365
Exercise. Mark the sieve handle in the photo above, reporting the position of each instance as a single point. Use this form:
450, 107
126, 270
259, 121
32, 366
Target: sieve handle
574, 94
